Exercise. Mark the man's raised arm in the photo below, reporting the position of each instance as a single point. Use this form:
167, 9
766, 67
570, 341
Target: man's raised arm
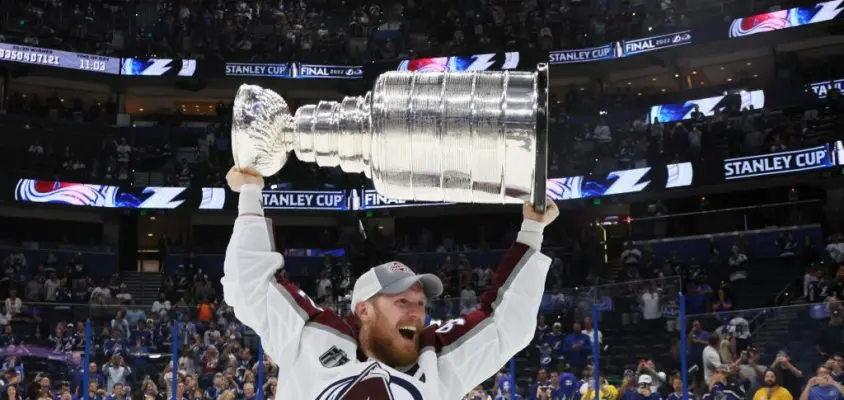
476, 345
276, 311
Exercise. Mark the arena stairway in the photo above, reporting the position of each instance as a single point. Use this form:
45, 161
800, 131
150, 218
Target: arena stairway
792, 329
143, 286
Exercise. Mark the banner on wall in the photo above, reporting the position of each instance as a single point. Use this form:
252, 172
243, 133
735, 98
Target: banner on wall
822, 88
754, 99
158, 67
784, 19
304, 200
59, 59
629, 181
778, 163
477, 62
660, 42
104, 196
314, 71
267, 70
369, 199
605, 52
621, 182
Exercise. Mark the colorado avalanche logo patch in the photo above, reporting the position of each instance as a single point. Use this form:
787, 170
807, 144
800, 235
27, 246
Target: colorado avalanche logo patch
373, 383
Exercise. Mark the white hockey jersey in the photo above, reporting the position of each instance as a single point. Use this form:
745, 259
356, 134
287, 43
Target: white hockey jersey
317, 351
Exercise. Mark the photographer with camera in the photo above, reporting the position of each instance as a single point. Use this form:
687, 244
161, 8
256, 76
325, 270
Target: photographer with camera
642, 390
541, 390
792, 377
750, 369
822, 387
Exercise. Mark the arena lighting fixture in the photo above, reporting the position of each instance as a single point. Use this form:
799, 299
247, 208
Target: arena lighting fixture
749, 63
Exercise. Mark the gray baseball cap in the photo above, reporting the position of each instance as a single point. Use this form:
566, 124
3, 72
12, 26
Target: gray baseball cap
393, 278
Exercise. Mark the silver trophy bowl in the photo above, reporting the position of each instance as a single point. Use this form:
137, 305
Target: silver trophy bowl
465, 137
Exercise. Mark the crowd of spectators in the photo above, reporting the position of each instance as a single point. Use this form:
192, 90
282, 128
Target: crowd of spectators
47, 305
348, 32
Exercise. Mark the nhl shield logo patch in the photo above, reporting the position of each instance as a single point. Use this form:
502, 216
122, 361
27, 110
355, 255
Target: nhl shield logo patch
334, 357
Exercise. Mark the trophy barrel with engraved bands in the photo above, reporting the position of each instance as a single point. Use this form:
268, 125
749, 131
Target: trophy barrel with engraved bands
466, 137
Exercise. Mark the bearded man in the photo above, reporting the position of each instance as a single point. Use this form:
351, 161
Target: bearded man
385, 352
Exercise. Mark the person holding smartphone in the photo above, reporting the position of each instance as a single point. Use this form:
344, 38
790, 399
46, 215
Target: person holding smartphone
822, 387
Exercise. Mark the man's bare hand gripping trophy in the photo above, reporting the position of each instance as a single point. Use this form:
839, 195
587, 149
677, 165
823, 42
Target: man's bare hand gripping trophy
383, 352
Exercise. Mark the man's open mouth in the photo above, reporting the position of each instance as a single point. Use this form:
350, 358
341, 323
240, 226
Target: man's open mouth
408, 332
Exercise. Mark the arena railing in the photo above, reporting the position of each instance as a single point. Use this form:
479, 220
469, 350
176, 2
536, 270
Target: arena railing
793, 340
639, 322
806, 335
147, 344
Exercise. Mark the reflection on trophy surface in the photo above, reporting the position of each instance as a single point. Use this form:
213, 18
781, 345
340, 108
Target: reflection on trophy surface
473, 137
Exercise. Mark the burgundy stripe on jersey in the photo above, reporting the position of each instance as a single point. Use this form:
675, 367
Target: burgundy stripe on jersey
319, 315
466, 322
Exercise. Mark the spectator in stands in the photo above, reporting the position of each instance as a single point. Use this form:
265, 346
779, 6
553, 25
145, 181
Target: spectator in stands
723, 303
589, 331
468, 299
14, 305
812, 284
792, 377
555, 340
773, 389
577, 347
721, 388
642, 391
738, 273
822, 387
677, 389
542, 388
651, 310
118, 392
10, 392
606, 392
829, 340
116, 371
161, 306
836, 367
751, 370
711, 358
657, 378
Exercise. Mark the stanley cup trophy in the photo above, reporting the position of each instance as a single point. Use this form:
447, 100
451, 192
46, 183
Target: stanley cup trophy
465, 137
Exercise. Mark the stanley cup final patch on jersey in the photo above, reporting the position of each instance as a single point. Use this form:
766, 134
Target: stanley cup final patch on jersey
334, 357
